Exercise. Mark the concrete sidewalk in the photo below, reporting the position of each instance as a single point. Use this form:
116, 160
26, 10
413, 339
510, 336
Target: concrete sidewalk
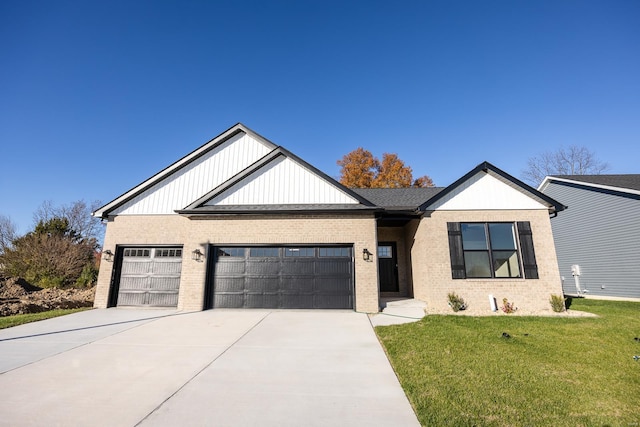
218, 367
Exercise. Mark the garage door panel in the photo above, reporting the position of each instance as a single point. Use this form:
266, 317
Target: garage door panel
164, 283
228, 300
262, 300
167, 268
283, 277
332, 301
262, 284
136, 267
226, 267
133, 283
304, 267
263, 267
297, 284
161, 299
230, 284
132, 298
297, 301
335, 266
333, 285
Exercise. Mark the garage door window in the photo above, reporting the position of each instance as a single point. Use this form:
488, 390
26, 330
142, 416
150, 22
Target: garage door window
299, 252
168, 253
142, 253
264, 252
335, 252
231, 252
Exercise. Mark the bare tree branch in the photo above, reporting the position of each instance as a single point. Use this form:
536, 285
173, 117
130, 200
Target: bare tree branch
77, 213
8, 233
574, 160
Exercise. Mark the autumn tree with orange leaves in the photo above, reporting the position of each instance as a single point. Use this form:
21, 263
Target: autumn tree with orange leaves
361, 169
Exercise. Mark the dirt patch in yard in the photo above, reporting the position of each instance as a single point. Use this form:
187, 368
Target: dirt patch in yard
17, 296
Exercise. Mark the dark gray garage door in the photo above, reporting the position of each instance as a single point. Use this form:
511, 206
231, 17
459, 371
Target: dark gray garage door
282, 277
150, 277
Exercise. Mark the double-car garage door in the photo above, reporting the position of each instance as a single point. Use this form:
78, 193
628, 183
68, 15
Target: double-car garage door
242, 277
282, 277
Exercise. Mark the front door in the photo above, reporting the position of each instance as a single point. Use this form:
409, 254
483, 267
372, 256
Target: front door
388, 267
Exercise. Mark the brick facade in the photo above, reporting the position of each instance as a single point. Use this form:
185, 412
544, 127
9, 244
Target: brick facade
432, 279
359, 231
424, 267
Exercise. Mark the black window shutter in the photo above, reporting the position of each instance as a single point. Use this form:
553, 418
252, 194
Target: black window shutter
526, 248
455, 251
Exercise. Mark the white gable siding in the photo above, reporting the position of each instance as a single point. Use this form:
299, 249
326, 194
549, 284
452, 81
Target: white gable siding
197, 178
485, 192
282, 182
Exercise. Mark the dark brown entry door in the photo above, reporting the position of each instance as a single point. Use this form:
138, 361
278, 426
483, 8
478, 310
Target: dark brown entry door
388, 267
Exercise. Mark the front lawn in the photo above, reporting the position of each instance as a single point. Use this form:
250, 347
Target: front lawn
462, 371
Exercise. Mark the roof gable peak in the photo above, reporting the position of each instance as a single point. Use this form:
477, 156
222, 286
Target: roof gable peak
491, 170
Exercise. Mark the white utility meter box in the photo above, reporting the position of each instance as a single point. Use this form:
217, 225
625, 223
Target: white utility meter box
575, 270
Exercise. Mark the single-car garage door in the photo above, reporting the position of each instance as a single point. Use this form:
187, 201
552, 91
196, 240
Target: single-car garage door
282, 277
150, 277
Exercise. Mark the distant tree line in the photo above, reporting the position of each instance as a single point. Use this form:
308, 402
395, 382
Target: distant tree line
61, 250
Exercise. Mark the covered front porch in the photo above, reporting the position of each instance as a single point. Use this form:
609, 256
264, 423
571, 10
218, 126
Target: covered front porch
395, 240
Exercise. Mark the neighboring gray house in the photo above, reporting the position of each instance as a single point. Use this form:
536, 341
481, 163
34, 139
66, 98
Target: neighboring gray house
598, 237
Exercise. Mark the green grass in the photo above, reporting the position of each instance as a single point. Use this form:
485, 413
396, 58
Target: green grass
20, 319
559, 371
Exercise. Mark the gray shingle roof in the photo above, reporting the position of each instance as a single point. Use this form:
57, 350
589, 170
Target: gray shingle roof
398, 198
628, 181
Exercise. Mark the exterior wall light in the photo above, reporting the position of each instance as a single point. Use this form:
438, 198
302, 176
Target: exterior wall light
366, 255
197, 255
108, 255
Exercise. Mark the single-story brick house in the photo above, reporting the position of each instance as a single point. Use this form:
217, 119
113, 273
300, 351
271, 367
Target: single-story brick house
241, 222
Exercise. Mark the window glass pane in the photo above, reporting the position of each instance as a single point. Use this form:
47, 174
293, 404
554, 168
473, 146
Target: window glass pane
385, 252
505, 264
477, 264
502, 236
137, 253
231, 252
171, 253
335, 252
264, 252
299, 252
473, 236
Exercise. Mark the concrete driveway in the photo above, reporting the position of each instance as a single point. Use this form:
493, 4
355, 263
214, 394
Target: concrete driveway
122, 367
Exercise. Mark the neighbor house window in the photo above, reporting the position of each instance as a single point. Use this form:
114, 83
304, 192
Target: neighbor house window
491, 250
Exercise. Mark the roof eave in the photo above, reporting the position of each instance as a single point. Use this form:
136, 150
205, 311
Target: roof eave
548, 179
201, 213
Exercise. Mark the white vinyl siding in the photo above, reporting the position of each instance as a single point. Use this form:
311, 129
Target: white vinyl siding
197, 178
283, 181
486, 192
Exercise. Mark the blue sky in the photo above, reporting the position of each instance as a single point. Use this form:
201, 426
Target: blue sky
97, 96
